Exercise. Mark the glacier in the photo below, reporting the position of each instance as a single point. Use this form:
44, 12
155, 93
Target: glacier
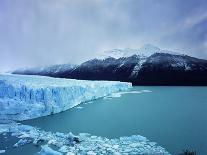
25, 97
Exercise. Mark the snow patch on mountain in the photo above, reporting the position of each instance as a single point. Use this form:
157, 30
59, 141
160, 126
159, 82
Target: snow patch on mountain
148, 50
24, 97
144, 51
117, 53
176, 61
137, 67
180, 62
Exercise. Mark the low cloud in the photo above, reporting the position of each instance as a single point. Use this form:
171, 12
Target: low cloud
43, 32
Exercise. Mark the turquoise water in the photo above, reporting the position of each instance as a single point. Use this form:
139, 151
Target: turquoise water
174, 117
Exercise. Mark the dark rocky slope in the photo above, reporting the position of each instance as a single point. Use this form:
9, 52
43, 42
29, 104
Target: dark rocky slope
157, 69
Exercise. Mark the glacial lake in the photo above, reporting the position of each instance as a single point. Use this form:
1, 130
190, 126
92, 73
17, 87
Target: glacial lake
174, 117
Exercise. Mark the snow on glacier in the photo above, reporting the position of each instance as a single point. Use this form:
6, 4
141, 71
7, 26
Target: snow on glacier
24, 97
81, 144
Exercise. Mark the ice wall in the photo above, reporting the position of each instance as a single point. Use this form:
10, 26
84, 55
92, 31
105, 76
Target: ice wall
24, 96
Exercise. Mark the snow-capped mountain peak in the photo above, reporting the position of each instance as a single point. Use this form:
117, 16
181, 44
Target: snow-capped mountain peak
148, 50
145, 51
118, 53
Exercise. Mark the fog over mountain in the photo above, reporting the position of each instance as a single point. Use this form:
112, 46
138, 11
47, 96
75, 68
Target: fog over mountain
45, 32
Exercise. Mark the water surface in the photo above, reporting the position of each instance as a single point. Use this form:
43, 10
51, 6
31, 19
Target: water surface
174, 117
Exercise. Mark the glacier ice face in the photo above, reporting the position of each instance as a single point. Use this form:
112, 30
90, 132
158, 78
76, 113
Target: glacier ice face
24, 97
83, 143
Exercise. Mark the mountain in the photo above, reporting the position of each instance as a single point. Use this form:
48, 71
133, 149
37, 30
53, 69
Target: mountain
148, 65
146, 50
53, 70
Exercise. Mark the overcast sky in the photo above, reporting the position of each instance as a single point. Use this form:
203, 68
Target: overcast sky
43, 32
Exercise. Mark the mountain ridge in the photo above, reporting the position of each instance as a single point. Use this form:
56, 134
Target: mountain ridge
157, 68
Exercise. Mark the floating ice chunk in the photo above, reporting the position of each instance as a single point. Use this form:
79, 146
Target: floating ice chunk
85, 143
107, 98
37, 141
46, 150
79, 107
115, 95
3, 130
22, 142
119, 94
132, 92
91, 153
146, 91
2, 151
88, 102
70, 153
24, 97
64, 149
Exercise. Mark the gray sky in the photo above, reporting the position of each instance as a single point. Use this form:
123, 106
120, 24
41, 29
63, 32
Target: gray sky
44, 32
